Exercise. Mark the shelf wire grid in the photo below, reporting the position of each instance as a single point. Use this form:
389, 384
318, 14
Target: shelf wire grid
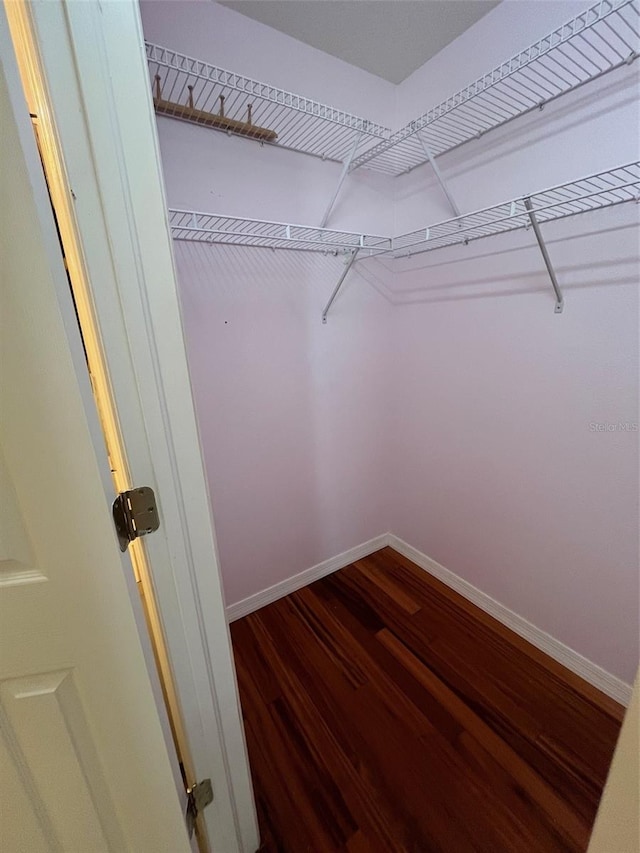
301, 124
236, 231
599, 40
603, 189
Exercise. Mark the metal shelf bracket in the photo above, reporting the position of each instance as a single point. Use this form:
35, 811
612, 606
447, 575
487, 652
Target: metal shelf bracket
438, 174
343, 175
345, 272
615, 186
545, 255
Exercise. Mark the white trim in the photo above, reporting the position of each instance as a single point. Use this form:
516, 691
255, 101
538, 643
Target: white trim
591, 672
304, 578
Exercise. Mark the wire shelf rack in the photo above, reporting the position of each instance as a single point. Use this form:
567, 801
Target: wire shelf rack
604, 37
232, 230
603, 189
593, 192
191, 90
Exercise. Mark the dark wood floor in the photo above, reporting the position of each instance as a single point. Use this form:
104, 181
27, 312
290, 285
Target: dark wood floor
385, 713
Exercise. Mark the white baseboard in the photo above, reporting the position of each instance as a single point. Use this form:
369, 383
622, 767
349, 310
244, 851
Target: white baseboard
304, 578
591, 672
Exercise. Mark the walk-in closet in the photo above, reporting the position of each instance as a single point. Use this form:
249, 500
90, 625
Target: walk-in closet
406, 242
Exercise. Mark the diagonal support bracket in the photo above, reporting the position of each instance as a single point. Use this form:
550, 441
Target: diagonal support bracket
438, 174
345, 170
345, 273
545, 255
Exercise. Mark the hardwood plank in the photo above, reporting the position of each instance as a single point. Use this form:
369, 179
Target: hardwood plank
518, 769
359, 843
254, 662
378, 575
440, 718
458, 656
385, 714
566, 677
326, 716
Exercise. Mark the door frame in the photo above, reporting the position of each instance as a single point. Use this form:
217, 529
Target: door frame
89, 84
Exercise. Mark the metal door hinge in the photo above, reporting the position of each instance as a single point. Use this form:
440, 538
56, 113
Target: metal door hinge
135, 514
198, 798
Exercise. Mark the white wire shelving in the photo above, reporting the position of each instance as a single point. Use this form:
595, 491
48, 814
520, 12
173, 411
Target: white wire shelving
604, 37
190, 86
603, 189
236, 231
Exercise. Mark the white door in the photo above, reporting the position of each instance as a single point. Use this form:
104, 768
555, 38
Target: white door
84, 762
85, 76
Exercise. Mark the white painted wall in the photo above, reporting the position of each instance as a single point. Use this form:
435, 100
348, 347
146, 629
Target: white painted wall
289, 408
444, 400
212, 172
292, 412
499, 476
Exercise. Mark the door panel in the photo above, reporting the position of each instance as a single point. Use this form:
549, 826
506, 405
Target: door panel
17, 563
83, 760
46, 732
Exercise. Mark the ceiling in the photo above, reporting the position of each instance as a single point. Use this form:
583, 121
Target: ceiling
388, 38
